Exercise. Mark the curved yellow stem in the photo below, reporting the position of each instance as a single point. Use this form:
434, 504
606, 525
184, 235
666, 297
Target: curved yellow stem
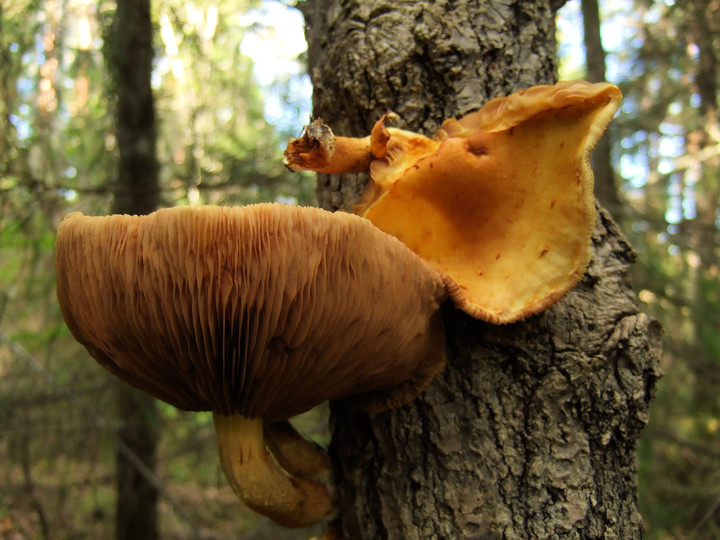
260, 483
297, 455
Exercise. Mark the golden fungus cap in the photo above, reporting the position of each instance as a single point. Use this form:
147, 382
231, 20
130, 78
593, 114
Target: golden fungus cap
500, 201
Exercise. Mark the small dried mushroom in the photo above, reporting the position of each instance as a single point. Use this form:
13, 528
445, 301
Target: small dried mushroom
500, 201
257, 314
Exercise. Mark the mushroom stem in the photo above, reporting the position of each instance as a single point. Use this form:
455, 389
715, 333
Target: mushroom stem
260, 483
319, 150
297, 455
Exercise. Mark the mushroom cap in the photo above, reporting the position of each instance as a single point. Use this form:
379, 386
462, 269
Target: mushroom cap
265, 310
500, 201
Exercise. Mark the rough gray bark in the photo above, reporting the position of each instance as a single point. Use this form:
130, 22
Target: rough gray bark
530, 431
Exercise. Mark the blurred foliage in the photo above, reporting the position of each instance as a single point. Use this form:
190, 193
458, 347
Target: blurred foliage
57, 154
57, 149
665, 56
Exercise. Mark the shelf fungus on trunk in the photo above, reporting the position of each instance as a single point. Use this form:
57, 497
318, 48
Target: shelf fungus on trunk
500, 201
256, 313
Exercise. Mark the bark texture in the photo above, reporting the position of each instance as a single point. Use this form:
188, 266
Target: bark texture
530, 431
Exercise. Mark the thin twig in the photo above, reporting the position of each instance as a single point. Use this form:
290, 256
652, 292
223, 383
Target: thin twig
705, 517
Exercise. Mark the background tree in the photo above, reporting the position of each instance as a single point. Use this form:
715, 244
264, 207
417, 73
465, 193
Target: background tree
129, 56
531, 430
605, 184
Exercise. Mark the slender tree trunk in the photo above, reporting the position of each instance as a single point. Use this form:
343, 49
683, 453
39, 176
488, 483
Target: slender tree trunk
701, 232
129, 57
531, 430
136, 504
5, 103
605, 184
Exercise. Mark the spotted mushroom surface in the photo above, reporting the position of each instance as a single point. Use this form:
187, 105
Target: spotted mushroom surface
500, 201
265, 310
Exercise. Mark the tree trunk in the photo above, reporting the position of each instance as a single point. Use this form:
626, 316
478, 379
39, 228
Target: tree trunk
701, 232
136, 505
130, 63
605, 185
129, 57
531, 429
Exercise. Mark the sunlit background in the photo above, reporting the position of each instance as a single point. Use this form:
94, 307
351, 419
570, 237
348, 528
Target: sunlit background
231, 88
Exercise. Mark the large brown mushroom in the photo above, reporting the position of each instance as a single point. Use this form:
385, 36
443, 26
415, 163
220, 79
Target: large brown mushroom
257, 314
500, 201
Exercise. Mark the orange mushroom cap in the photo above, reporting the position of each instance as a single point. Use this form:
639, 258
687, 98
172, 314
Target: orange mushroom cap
264, 310
500, 201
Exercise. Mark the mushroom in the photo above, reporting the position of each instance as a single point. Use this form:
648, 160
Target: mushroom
257, 314
500, 201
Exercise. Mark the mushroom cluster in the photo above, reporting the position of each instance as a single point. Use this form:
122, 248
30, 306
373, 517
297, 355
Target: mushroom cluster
259, 313
500, 201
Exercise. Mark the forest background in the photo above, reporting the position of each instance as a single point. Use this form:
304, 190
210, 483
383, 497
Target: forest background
224, 114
